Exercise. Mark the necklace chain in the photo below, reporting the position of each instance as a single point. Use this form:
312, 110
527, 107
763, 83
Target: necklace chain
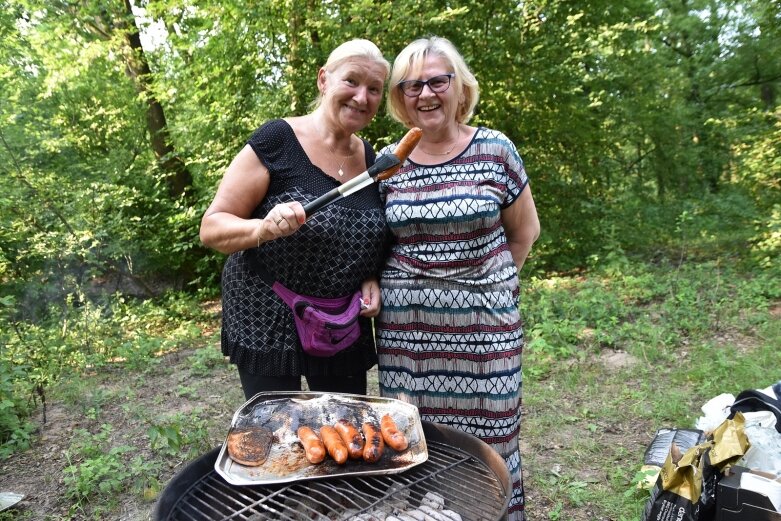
458, 136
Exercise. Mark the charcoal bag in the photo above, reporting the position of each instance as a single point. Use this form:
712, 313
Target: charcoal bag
686, 487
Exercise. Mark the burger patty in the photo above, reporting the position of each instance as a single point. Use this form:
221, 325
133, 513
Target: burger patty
249, 445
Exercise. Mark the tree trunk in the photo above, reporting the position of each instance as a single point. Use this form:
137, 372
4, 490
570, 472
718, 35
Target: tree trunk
178, 177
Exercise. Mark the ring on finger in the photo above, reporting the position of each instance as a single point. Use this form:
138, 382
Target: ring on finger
279, 221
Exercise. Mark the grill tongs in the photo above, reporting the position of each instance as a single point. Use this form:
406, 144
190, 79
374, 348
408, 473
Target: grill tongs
386, 166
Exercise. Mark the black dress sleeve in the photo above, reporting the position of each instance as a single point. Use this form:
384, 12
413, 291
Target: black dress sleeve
369, 154
271, 143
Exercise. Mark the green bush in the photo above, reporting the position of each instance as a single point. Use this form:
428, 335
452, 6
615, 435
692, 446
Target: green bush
180, 435
69, 338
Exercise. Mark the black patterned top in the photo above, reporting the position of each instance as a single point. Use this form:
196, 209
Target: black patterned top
330, 256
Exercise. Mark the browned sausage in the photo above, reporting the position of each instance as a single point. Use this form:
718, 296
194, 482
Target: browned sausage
393, 437
351, 437
372, 451
334, 444
403, 150
313, 446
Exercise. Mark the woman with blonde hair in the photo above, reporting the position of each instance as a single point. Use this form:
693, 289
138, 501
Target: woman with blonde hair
257, 218
449, 335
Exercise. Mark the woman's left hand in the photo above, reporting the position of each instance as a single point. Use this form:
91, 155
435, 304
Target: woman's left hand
370, 291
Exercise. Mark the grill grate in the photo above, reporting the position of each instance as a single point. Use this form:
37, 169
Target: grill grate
468, 486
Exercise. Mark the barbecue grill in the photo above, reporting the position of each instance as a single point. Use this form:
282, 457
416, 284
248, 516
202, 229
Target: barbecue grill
469, 475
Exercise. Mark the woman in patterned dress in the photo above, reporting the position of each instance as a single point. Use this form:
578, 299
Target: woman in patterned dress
258, 219
461, 211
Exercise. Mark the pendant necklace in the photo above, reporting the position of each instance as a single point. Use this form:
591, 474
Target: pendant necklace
458, 136
344, 160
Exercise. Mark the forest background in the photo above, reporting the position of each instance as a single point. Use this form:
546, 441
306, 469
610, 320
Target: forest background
650, 130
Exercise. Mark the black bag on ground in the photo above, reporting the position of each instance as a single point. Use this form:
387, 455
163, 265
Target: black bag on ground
752, 401
675, 497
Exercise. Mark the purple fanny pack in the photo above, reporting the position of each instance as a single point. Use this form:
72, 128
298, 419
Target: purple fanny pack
325, 325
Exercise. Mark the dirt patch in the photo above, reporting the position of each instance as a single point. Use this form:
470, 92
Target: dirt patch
129, 404
615, 360
735, 340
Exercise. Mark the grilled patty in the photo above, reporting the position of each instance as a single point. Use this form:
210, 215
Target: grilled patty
249, 445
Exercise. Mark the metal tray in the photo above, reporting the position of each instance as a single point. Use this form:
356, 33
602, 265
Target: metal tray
9, 499
284, 412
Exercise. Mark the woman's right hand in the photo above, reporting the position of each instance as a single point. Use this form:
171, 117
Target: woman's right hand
283, 220
228, 225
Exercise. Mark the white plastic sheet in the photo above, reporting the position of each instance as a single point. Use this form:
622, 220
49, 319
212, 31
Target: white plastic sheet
765, 451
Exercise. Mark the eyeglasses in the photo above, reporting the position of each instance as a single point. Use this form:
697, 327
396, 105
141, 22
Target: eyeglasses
413, 88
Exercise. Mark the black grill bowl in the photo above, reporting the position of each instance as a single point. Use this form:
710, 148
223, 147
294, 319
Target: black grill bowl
469, 474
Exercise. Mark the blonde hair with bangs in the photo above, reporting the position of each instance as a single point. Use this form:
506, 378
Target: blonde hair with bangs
411, 59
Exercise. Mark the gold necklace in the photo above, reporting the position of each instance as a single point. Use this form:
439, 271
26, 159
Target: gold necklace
340, 171
458, 136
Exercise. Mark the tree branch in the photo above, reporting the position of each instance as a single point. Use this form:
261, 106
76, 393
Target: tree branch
21, 178
754, 83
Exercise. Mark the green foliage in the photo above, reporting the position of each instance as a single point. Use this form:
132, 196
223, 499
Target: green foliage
166, 438
88, 399
766, 248
144, 478
182, 436
608, 105
94, 468
14, 408
641, 484
98, 471
14, 428
204, 359
83, 337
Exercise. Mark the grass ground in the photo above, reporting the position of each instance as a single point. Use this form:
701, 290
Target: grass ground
610, 359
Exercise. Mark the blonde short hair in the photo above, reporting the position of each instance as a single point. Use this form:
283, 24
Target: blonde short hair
356, 48
410, 60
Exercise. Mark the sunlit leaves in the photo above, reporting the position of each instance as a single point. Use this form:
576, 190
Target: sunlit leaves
646, 97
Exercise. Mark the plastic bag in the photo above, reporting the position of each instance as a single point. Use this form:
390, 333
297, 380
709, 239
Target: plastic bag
659, 448
715, 411
765, 451
761, 400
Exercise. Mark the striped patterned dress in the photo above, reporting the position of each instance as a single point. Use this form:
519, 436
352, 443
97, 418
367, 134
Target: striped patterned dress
449, 336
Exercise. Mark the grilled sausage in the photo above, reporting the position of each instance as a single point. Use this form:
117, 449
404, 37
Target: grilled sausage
313, 446
393, 437
351, 437
372, 450
334, 444
402, 151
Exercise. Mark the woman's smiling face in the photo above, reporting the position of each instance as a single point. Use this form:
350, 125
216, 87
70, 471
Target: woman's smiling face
352, 92
432, 110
